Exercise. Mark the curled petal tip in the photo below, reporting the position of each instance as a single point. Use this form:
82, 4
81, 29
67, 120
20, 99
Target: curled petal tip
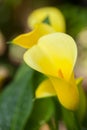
45, 89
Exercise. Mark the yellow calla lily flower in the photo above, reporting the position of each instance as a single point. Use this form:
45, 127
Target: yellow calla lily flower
40, 28
27, 40
55, 55
67, 92
56, 51
56, 18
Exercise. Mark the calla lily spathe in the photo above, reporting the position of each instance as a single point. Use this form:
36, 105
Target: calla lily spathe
29, 39
55, 55
54, 15
40, 28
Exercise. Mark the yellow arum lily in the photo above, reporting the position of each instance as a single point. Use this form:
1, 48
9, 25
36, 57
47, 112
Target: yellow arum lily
55, 55
56, 18
41, 28
66, 92
27, 40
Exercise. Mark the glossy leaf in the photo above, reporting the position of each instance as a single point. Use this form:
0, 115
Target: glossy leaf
16, 102
70, 120
42, 111
81, 111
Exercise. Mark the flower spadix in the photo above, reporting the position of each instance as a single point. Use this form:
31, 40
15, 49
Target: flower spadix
42, 21
55, 55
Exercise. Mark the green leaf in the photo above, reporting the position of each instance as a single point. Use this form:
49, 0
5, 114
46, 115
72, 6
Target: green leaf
58, 113
16, 101
70, 120
85, 119
81, 111
42, 112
